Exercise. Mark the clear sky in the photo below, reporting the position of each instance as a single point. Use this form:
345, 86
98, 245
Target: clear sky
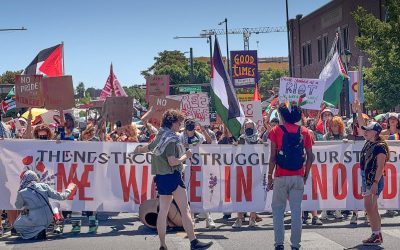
130, 33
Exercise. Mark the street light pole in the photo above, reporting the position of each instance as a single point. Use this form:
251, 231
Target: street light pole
288, 39
207, 37
191, 66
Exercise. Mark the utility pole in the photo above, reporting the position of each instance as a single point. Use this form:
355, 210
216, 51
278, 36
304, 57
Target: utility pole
227, 46
191, 66
20, 29
288, 39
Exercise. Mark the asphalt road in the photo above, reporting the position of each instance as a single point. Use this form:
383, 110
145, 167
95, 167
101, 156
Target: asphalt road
126, 232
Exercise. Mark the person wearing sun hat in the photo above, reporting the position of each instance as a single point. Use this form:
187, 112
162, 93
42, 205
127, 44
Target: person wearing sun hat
393, 125
374, 156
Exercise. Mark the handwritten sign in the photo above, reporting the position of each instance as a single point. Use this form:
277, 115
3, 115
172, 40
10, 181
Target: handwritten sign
29, 91
119, 108
59, 92
253, 111
244, 68
157, 86
195, 105
158, 105
292, 88
245, 97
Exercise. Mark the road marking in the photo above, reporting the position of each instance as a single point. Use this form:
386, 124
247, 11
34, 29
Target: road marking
392, 232
310, 240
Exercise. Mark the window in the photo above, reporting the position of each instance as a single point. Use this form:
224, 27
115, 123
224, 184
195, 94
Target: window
326, 44
319, 44
304, 53
345, 35
309, 53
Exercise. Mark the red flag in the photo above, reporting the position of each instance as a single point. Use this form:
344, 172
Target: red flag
256, 96
112, 87
48, 62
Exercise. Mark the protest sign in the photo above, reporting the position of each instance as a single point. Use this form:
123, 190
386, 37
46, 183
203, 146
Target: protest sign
157, 86
292, 88
51, 116
253, 111
195, 105
354, 86
245, 97
58, 92
158, 105
119, 108
244, 68
29, 91
219, 178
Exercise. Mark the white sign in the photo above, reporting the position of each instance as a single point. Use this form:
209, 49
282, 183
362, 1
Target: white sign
253, 111
195, 105
292, 88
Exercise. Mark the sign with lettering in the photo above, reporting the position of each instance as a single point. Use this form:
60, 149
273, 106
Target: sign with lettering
58, 92
157, 86
195, 105
253, 111
290, 89
245, 97
29, 91
158, 105
244, 68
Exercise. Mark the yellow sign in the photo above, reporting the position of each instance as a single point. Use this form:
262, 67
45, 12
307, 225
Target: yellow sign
245, 97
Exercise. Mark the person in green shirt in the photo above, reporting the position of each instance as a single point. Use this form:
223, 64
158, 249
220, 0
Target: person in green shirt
166, 165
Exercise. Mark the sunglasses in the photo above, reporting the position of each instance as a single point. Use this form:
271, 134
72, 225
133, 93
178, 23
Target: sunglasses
43, 137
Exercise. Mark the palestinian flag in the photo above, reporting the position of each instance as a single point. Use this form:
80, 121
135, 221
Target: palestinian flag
9, 103
226, 103
333, 74
48, 62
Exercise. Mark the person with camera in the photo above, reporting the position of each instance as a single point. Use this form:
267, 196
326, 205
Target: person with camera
167, 166
33, 198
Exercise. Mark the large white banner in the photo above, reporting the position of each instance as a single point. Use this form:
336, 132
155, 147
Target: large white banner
218, 178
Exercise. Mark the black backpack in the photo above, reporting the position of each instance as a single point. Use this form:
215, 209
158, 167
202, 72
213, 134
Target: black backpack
291, 156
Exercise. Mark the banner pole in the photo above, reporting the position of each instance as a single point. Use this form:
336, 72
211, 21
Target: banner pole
62, 44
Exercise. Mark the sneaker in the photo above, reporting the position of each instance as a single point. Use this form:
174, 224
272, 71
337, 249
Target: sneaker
1, 232
316, 221
57, 229
163, 248
210, 223
366, 219
338, 215
238, 223
373, 240
226, 216
279, 247
258, 218
252, 222
390, 213
305, 220
323, 215
14, 232
353, 220
196, 244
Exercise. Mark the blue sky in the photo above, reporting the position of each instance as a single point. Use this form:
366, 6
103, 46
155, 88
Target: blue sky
131, 33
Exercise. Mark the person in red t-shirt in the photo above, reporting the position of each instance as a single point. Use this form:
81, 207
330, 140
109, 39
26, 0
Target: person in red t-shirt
288, 184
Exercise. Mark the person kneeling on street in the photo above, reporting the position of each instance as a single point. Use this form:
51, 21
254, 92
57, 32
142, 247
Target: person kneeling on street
33, 198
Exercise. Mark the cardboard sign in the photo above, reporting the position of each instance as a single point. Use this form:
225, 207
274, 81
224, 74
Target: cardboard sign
52, 116
292, 88
158, 105
157, 86
59, 92
245, 97
29, 91
119, 108
252, 110
195, 105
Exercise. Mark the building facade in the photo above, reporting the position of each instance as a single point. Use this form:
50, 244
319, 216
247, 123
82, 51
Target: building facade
312, 36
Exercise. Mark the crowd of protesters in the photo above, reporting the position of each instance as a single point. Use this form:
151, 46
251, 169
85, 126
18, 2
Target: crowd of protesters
185, 131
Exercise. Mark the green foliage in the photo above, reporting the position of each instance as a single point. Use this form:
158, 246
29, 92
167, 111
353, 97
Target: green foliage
380, 41
270, 79
8, 77
87, 99
80, 90
137, 93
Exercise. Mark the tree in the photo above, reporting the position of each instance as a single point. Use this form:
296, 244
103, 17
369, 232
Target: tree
269, 80
80, 90
137, 93
8, 77
380, 41
87, 99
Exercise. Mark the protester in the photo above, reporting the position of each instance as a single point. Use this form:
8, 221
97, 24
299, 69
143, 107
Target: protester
128, 133
33, 199
67, 131
288, 142
374, 156
393, 121
167, 167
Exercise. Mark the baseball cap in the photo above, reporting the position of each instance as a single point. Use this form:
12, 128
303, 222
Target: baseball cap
372, 126
390, 115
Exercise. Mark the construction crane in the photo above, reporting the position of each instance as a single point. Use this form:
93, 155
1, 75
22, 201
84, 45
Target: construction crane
245, 31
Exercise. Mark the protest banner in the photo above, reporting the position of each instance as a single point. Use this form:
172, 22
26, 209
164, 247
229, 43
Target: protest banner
158, 105
157, 86
29, 91
292, 88
58, 92
219, 178
245, 97
119, 108
195, 105
253, 111
244, 68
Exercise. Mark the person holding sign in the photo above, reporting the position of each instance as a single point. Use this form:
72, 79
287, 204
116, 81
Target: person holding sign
374, 156
167, 166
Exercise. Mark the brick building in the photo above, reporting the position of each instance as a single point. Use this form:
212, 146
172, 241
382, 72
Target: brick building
311, 36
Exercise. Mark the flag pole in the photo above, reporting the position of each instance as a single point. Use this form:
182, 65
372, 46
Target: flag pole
62, 44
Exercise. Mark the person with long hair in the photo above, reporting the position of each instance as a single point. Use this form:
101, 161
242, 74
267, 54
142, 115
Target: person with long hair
374, 156
167, 166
